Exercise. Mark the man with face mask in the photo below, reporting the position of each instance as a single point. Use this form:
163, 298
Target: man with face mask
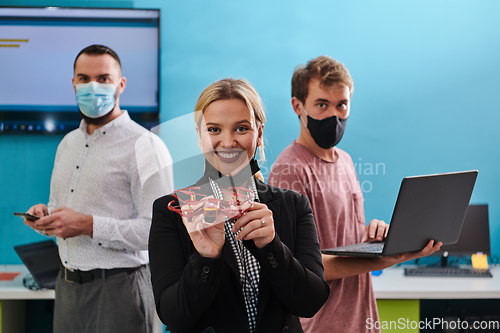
106, 176
315, 167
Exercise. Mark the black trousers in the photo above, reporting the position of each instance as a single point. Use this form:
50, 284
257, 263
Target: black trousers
121, 303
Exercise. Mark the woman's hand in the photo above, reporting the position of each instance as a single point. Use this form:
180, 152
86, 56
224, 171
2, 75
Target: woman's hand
257, 224
208, 238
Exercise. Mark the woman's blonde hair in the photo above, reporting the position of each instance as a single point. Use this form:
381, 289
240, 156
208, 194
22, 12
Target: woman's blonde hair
234, 89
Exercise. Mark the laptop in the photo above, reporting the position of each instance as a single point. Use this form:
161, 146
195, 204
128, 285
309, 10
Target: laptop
430, 207
42, 260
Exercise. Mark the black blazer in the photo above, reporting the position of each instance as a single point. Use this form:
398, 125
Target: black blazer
197, 294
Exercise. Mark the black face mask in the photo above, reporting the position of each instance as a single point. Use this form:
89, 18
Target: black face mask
326, 132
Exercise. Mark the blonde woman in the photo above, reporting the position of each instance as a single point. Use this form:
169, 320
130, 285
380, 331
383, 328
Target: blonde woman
256, 273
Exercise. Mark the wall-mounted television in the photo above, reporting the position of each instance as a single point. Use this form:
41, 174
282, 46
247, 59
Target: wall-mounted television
38, 47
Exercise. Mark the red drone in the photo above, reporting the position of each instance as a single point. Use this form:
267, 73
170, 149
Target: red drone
211, 207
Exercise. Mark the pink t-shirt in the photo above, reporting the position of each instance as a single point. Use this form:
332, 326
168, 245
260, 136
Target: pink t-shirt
337, 202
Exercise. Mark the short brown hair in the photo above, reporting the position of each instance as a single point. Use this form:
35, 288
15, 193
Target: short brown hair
329, 72
97, 49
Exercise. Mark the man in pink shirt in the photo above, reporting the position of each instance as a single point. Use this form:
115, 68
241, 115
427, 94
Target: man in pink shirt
313, 166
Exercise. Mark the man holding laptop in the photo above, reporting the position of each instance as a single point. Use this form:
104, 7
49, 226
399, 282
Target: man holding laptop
313, 166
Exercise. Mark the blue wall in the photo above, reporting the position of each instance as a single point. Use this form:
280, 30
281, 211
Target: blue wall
425, 76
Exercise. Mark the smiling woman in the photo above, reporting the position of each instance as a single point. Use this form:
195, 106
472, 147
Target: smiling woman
229, 134
257, 272
239, 101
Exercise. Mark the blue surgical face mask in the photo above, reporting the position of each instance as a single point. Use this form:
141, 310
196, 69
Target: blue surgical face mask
95, 99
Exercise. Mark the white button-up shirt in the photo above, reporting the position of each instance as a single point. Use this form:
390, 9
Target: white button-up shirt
114, 175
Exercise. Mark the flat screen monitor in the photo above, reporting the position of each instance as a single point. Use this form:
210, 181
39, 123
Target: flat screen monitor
474, 236
38, 47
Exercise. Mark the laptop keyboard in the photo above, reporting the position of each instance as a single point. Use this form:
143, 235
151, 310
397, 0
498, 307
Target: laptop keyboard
369, 247
447, 272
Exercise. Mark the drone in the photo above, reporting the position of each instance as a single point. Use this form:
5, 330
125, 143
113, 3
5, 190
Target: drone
211, 207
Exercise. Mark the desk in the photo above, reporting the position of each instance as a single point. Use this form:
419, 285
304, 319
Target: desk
390, 286
14, 290
13, 296
398, 296
393, 284
12, 299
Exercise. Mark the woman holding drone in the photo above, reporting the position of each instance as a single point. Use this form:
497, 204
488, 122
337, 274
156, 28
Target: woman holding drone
254, 271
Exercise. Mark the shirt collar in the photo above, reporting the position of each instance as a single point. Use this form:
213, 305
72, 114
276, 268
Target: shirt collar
118, 121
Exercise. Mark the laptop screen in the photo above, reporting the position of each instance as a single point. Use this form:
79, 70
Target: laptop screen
42, 260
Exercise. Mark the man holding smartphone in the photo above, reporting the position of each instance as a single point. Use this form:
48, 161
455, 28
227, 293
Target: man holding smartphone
102, 189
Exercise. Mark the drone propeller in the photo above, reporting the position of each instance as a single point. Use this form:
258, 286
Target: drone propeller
211, 207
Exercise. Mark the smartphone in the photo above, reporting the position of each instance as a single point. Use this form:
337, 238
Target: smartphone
27, 216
